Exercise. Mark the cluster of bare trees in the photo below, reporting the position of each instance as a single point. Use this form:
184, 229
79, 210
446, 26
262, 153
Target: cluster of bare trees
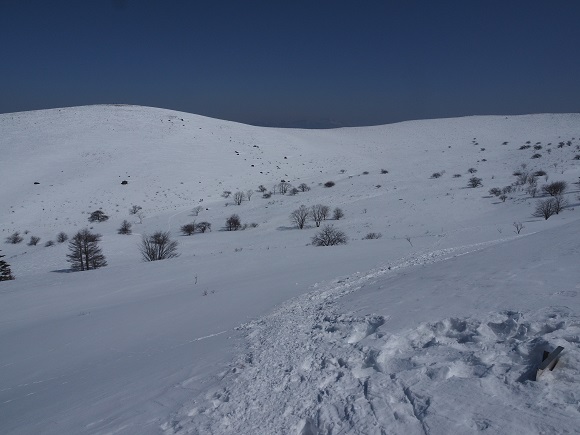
193, 227
317, 213
553, 205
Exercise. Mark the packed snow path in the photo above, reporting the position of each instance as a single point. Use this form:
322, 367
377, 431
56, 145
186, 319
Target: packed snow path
312, 369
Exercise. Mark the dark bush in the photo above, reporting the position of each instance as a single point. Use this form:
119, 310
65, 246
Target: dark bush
188, 229
329, 184
233, 223
329, 236
125, 228
14, 238
98, 216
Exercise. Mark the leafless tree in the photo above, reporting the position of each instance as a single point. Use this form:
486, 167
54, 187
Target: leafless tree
337, 214
555, 188
135, 209
496, 191
319, 213
518, 227
545, 208
329, 236
503, 197
239, 197
158, 246
408, 239
304, 187
84, 251
300, 216
559, 203
196, 210
249, 194
283, 187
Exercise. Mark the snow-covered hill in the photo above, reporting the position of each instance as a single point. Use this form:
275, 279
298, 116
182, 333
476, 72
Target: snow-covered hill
135, 347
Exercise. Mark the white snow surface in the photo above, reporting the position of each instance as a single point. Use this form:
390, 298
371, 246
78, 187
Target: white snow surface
437, 327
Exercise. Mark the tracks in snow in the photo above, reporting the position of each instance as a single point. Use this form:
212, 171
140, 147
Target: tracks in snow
310, 369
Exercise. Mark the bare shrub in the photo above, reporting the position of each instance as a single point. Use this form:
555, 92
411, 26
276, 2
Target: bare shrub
61, 237
14, 238
503, 197
293, 191
158, 246
559, 203
261, 188
518, 227
196, 210
536, 156
329, 236
384, 171
435, 175
304, 187
456, 175
337, 214
188, 229
249, 194
555, 188
226, 194
300, 216
49, 244
496, 191
233, 223
135, 209
33, 241
472, 170
267, 195
202, 227
371, 236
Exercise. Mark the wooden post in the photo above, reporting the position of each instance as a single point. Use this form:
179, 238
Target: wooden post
549, 361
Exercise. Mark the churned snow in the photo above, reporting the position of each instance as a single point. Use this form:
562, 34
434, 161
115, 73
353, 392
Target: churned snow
437, 327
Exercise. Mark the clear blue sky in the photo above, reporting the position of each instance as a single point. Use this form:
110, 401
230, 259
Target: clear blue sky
294, 62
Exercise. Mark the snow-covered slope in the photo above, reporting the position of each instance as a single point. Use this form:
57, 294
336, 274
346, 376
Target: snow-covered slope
135, 347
